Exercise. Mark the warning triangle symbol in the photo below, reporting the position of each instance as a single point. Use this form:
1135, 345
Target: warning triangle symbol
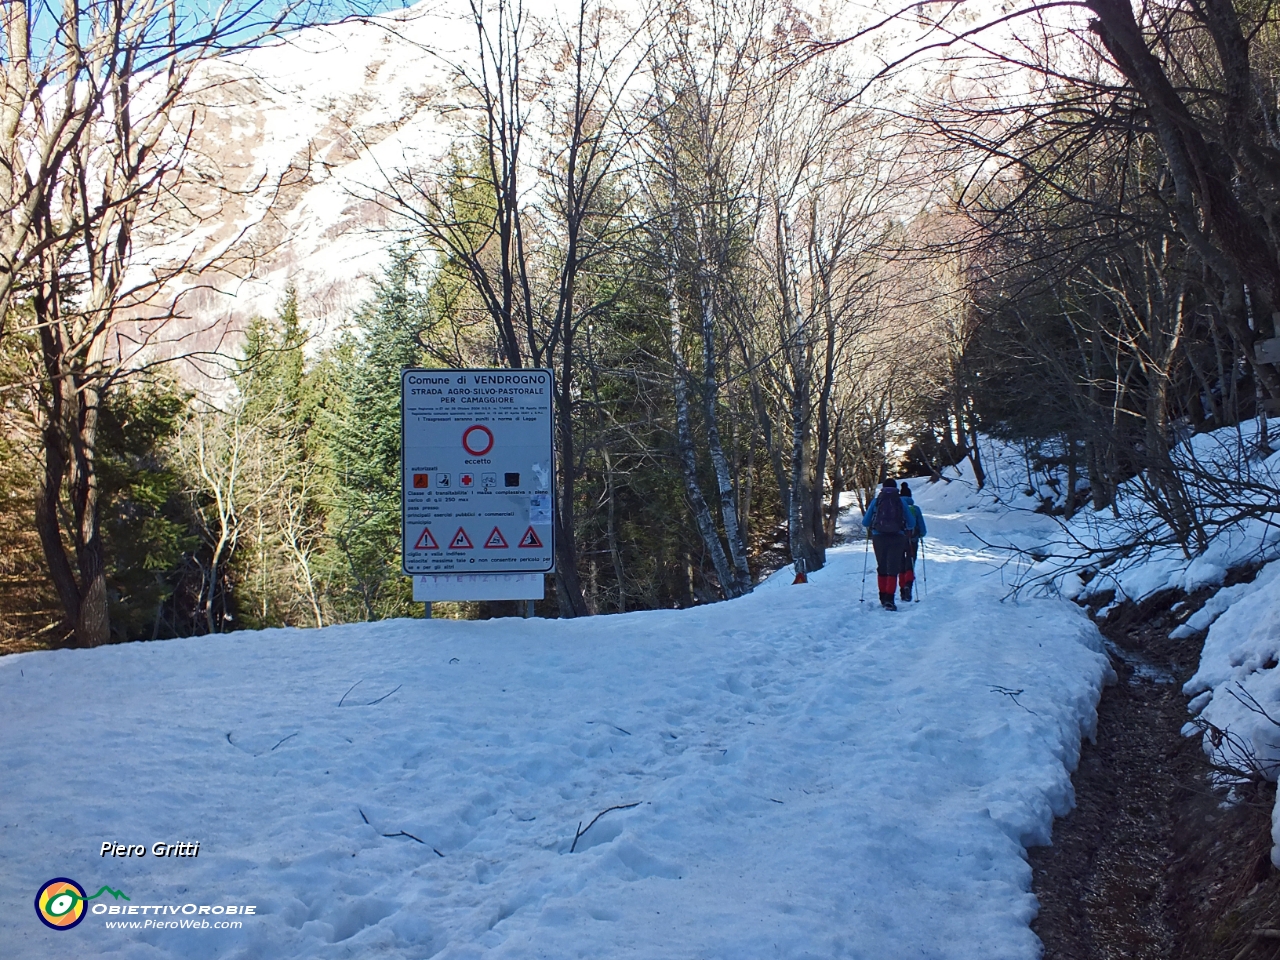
461, 541
530, 539
426, 541
496, 541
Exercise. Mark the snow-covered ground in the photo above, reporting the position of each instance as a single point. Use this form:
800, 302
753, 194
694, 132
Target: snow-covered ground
811, 776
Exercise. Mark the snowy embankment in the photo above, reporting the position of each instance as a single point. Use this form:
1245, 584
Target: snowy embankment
1236, 690
807, 775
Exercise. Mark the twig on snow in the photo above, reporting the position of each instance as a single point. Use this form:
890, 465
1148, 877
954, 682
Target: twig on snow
1013, 695
1250, 702
608, 724
352, 687
1235, 755
383, 697
363, 817
581, 833
411, 837
289, 737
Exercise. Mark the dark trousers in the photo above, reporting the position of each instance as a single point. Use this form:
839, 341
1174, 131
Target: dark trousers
908, 574
891, 556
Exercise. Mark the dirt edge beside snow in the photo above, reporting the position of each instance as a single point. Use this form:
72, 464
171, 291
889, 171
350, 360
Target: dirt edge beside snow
1153, 862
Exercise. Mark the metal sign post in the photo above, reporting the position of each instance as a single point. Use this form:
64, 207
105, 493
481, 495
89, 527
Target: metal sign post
477, 482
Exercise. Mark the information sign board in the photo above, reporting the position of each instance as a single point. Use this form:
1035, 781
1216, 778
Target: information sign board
1268, 351
476, 471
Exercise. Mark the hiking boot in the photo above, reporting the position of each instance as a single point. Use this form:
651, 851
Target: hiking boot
886, 601
906, 593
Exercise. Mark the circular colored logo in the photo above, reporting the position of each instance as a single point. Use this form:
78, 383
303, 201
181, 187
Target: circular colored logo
60, 903
477, 440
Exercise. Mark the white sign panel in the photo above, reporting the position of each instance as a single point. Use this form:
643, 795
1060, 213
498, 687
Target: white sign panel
1268, 351
476, 471
489, 586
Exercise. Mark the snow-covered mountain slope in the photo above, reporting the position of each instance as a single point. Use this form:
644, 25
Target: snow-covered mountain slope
792, 774
292, 143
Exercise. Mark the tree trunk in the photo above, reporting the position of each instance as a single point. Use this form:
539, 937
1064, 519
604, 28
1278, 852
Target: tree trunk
1073, 474
1242, 253
688, 460
801, 540
50, 530
69, 438
724, 478
968, 431
819, 536
837, 488
765, 423
570, 586
612, 530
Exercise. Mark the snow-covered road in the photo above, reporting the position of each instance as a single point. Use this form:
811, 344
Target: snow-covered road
811, 776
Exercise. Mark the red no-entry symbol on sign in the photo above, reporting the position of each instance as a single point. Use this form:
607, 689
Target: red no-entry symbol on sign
477, 440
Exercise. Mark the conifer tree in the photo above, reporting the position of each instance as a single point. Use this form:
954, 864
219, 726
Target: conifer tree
365, 432
146, 529
286, 477
270, 374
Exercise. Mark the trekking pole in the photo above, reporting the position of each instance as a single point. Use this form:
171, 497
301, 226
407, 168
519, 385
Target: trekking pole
865, 550
924, 567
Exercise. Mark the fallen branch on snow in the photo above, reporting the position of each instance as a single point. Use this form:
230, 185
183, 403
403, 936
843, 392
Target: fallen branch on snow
383, 697
349, 689
581, 833
1013, 695
401, 833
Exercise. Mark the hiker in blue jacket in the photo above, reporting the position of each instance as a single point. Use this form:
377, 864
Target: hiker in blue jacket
907, 578
890, 526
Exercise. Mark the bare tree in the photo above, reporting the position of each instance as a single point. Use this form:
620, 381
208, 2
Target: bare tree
213, 450
833, 183
1193, 80
712, 76
537, 204
94, 134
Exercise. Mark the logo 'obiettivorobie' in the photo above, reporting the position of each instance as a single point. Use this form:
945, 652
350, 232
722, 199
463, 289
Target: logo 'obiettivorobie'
60, 902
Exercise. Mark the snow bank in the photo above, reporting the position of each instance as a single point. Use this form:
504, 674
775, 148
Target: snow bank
804, 775
1236, 690
1147, 572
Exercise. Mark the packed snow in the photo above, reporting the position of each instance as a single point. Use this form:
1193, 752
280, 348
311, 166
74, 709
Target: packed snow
795, 773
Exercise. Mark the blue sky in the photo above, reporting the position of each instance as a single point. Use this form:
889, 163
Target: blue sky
253, 15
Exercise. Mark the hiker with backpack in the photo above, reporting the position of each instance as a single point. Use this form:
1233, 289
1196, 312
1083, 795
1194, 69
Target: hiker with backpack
890, 526
907, 578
